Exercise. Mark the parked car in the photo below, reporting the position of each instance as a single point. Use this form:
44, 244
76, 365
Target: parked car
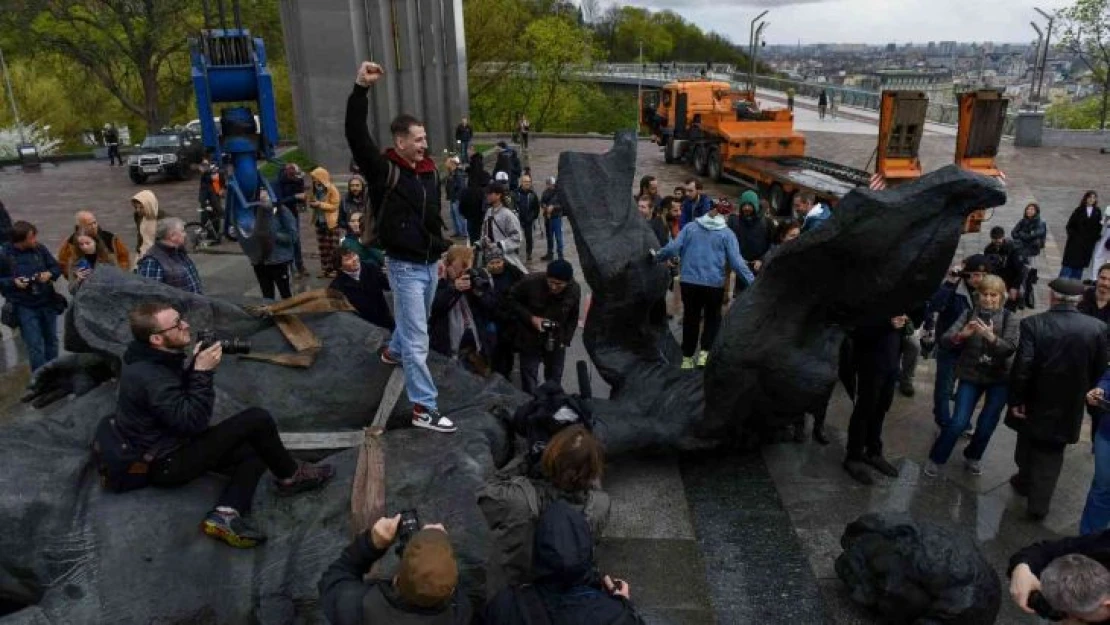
167, 153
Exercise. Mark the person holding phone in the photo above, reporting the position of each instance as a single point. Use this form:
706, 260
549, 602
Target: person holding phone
987, 337
1096, 512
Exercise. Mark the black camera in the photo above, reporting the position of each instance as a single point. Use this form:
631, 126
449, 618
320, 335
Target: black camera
550, 329
406, 529
478, 279
1043, 608
984, 316
232, 346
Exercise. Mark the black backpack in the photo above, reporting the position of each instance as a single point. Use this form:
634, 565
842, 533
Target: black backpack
543, 417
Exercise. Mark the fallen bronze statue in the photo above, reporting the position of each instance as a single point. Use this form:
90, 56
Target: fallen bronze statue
72, 552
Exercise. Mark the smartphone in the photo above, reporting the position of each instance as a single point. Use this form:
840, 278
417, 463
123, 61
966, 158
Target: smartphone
984, 316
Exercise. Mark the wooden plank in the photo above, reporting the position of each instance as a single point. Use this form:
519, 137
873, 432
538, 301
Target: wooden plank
392, 393
303, 441
300, 360
297, 333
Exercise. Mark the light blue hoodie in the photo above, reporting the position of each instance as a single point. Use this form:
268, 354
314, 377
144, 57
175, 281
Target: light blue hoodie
704, 246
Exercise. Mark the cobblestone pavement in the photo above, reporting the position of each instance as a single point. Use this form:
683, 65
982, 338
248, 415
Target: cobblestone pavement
722, 539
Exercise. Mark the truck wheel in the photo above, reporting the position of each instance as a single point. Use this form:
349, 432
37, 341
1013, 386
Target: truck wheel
715, 171
780, 201
138, 178
668, 151
701, 164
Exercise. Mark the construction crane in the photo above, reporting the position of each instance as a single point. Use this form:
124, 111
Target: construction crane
229, 67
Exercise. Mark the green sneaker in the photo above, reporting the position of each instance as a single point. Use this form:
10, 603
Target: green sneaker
703, 357
687, 363
232, 529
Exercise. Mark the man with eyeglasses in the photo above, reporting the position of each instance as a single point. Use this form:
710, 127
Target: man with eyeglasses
165, 409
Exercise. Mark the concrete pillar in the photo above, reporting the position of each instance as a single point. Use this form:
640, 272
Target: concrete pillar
420, 44
1028, 129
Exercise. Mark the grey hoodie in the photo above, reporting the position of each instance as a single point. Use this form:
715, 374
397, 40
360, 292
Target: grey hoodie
502, 227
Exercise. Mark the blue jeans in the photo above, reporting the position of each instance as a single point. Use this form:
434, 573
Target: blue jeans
1071, 272
298, 256
39, 328
1096, 514
555, 236
464, 152
942, 386
414, 287
967, 396
457, 219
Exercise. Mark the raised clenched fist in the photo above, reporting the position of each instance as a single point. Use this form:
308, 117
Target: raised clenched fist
369, 73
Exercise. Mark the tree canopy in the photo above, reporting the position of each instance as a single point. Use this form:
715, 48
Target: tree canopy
1086, 33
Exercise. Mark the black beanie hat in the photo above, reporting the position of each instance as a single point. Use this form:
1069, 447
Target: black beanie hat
560, 270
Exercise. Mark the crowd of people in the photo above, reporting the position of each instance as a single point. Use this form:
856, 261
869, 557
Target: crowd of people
464, 290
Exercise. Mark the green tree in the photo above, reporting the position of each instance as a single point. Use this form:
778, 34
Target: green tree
1086, 34
136, 49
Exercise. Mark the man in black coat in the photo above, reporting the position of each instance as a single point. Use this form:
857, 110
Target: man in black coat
463, 134
472, 203
1061, 355
876, 357
1071, 575
509, 162
422, 592
165, 406
1084, 231
364, 286
528, 209
567, 587
1006, 263
541, 300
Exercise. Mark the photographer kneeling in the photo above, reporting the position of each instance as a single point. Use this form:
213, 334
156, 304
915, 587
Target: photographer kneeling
422, 591
547, 307
1064, 580
165, 406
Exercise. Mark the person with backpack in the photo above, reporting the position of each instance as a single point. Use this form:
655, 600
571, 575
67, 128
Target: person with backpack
28, 272
986, 337
410, 227
567, 587
1006, 262
569, 470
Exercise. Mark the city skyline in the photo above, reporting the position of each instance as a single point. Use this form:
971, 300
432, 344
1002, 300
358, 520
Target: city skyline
872, 22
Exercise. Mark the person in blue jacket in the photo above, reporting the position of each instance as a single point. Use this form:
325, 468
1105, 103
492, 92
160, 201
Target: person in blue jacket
694, 202
705, 246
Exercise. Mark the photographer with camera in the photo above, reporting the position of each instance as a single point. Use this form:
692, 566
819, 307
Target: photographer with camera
956, 295
165, 408
1064, 580
547, 309
461, 325
423, 590
27, 275
566, 587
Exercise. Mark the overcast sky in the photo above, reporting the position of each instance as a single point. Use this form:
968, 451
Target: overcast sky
865, 21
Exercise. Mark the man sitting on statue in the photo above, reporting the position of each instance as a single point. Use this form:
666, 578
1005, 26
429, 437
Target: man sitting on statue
165, 409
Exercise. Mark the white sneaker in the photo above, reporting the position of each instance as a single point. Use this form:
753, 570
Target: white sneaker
973, 467
432, 420
931, 469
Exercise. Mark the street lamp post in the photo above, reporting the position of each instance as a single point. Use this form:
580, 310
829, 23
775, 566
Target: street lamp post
640, 84
1034, 92
1044, 51
751, 51
11, 97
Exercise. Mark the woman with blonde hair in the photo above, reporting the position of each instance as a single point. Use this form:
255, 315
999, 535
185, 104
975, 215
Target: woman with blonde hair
986, 336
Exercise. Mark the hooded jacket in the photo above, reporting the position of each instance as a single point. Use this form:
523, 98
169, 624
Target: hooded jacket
502, 227
566, 577
705, 246
756, 232
327, 211
161, 405
1029, 234
410, 226
146, 220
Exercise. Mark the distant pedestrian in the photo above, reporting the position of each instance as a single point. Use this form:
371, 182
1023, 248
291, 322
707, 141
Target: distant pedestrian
553, 220
289, 187
1029, 235
270, 250
790, 98
524, 127
1084, 231
822, 104
27, 273
1061, 356
463, 134
5, 225
146, 213
111, 140
832, 105
455, 185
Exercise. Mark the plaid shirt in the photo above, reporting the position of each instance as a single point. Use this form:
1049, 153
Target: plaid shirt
149, 267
